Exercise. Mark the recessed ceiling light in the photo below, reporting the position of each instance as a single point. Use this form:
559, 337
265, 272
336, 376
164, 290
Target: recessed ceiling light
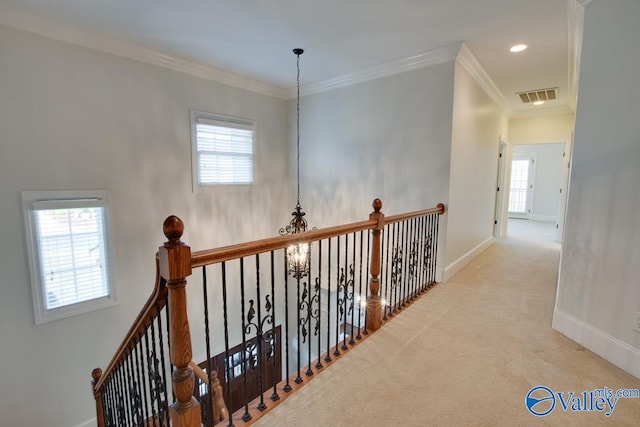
518, 48
538, 103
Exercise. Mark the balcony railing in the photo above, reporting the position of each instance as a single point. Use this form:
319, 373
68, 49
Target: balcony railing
257, 328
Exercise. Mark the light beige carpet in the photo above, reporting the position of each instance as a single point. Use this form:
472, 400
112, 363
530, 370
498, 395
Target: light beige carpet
466, 354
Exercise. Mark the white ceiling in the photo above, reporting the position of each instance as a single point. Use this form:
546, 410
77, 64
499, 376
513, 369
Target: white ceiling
253, 39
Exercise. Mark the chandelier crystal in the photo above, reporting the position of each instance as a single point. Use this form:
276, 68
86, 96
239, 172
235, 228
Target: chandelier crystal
298, 254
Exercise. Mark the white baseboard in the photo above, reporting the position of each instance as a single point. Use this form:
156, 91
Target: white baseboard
604, 345
545, 218
92, 422
465, 259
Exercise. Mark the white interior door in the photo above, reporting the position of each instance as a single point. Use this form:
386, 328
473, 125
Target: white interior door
521, 185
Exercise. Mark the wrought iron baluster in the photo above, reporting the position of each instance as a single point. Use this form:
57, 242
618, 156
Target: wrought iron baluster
310, 300
433, 239
427, 251
156, 386
274, 395
327, 358
142, 377
319, 318
153, 372
345, 288
128, 411
359, 336
106, 401
135, 387
287, 386
208, 402
366, 331
110, 409
405, 277
339, 309
412, 259
396, 270
130, 414
259, 327
426, 255
165, 403
384, 268
435, 246
421, 265
149, 371
298, 379
227, 368
246, 416
353, 290
121, 412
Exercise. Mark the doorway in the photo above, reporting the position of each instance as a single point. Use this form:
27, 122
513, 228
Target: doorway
536, 190
521, 184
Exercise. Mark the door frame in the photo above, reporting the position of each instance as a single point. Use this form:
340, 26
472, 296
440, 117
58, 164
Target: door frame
501, 188
531, 179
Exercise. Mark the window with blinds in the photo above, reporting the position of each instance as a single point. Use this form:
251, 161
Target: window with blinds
68, 243
222, 150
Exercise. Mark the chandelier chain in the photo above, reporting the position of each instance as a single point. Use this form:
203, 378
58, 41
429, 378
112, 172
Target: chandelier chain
298, 129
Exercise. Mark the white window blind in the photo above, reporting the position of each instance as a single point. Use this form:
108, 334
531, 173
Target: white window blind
69, 252
223, 151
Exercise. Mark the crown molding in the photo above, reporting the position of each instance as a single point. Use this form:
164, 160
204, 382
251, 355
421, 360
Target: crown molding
469, 62
576, 25
436, 56
89, 39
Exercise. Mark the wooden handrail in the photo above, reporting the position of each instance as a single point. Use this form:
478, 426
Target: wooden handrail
439, 209
226, 253
156, 302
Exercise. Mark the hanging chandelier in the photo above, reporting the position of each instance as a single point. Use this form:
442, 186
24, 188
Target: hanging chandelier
298, 254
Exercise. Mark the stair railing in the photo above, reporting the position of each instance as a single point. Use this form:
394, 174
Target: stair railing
248, 294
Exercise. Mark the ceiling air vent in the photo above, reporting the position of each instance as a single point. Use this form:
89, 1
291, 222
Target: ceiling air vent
538, 95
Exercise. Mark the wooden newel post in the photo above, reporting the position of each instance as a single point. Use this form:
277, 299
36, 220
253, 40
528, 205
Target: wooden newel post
175, 267
97, 394
374, 304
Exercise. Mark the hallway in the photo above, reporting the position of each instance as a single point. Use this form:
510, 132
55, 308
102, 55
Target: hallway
467, 353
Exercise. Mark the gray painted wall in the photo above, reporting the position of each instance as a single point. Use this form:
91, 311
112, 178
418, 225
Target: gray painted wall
377, 139
75, 118
598, 287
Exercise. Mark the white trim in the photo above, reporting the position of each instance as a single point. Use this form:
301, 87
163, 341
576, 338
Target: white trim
93, 40
223, 121
469, 62
575, 25
435, 56
30, 201
535, 140
604, 345
465, 259
92, 422
544, 218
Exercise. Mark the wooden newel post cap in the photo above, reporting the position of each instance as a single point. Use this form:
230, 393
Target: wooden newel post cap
96, 374
377, 205
173, 227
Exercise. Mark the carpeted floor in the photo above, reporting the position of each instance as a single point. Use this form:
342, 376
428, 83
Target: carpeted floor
466, 354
